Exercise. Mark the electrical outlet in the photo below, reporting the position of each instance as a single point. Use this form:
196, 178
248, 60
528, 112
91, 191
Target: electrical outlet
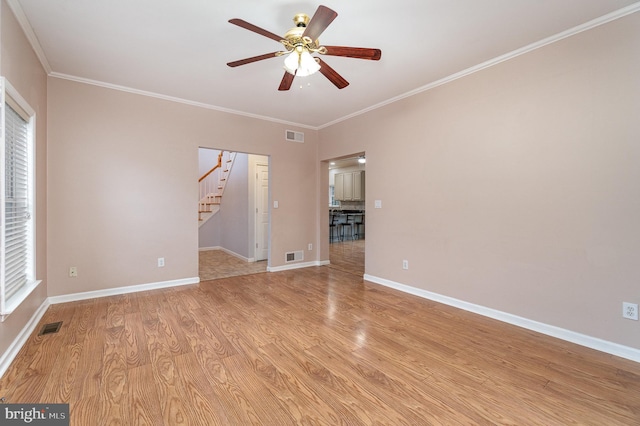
405, 264
310, 246
630, 310
73, 271
160, 262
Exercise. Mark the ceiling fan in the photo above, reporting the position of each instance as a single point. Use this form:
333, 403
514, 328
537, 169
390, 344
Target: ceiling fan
300, 42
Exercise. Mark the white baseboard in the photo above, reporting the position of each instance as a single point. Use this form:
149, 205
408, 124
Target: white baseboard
550, 330
8, 356
121, 290
297, 265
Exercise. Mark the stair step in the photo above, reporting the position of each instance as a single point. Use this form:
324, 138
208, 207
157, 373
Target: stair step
210, 200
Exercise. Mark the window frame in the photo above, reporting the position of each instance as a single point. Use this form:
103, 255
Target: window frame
10, 96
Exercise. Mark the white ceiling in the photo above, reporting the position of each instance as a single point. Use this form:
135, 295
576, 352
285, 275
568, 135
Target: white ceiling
179, 49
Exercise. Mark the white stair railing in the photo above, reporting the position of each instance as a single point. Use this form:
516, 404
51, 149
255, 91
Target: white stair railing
211, 186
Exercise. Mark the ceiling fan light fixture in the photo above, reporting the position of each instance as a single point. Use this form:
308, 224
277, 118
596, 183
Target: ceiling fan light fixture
300, 62
291, 62
307, 65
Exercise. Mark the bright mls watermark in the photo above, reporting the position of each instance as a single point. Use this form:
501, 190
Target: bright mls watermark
34, 414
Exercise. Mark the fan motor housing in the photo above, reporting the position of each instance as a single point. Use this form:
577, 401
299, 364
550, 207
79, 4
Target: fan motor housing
301, 20
294, 35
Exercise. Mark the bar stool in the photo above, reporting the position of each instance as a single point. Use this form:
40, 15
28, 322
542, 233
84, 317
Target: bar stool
348, 222
358, 221
333, 225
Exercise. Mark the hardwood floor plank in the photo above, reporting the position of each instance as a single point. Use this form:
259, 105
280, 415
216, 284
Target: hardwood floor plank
133, 339
89, 371
80, 322
86, 411
114, 386
145, 406
313, 404
172, 404
204, 407
61, 381
405, 383
115, 312
268, 409
204, 328
343, 380
28, 389
234, 403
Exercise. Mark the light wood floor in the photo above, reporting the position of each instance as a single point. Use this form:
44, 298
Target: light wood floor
347, 256
315, 346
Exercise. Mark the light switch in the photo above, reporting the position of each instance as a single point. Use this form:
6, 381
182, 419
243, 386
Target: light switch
378, 204
275, 204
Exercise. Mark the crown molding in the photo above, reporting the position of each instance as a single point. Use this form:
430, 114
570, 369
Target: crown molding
175, 99
15, 7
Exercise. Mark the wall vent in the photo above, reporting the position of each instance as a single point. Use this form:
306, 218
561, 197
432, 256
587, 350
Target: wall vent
292, 136
53, 327
294, 256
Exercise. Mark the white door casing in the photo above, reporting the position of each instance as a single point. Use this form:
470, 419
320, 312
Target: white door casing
262, 211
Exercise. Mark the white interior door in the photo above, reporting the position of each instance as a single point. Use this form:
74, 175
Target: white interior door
262, 211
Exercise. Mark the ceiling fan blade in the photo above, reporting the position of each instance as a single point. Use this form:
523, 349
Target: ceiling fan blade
332, 75
247, 26
354, 52
287, 81
319, 22
252, 59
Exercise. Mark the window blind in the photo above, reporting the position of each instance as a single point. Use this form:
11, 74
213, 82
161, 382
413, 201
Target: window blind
16, 203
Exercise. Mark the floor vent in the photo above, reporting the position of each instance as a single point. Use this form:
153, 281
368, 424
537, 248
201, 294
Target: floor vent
294, 256
53, 327
292, 136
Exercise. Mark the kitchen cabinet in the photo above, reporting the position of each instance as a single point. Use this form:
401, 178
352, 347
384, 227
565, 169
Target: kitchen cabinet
358, 186
349, 186
338, 187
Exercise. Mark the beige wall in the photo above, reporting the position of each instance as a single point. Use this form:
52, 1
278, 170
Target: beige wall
21, 67
123, 173
515, 188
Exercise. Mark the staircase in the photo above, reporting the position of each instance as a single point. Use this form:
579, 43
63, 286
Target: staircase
211, 186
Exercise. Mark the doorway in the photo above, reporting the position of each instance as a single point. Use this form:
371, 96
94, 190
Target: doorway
235, 239
347, 213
